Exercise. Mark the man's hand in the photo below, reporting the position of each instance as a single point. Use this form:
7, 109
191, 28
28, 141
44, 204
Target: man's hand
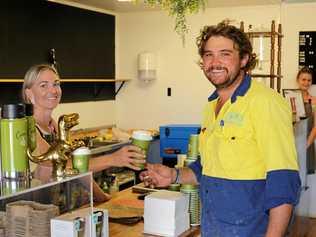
158, 175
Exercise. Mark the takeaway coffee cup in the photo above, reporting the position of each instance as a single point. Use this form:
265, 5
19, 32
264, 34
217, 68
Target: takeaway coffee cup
142, 140
80, 159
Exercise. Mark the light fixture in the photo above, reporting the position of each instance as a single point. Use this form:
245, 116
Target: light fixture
147, 70
260, 45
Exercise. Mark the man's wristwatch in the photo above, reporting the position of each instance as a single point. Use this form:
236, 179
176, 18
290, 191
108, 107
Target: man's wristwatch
177, 179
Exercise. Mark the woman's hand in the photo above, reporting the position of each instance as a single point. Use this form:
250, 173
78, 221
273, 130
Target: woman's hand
128, 156
98, 194
158, 175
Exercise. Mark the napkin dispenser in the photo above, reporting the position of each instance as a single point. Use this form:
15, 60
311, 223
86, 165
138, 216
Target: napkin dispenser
166, 213
81, 223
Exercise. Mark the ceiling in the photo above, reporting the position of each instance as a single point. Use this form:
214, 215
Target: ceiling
116, 6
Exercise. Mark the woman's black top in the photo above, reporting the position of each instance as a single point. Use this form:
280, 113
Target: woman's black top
50, 138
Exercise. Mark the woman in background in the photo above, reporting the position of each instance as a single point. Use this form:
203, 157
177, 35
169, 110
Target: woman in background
41, 88
304, 80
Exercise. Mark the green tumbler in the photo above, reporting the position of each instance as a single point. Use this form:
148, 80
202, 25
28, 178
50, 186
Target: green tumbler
193, 146
13, 126
142, 140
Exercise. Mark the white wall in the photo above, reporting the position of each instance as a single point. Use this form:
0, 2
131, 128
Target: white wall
148, 106
92, 114
295, 18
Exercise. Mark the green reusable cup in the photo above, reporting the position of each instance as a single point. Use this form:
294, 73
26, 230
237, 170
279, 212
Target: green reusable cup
193, 146
80, 159
13, 126
142, 140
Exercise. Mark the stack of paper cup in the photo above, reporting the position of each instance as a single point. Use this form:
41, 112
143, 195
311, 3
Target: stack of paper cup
192, 191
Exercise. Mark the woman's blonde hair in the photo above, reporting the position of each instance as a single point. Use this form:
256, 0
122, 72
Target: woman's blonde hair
32, 75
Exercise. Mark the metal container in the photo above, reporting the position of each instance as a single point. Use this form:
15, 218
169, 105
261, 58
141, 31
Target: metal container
192, 191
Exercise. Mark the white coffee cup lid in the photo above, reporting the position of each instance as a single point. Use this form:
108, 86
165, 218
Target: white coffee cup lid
82, 151
142, 135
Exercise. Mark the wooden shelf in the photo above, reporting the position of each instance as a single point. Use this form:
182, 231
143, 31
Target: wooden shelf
13, 80
267, 34
75, 80
266, 75
275, 52
94, 80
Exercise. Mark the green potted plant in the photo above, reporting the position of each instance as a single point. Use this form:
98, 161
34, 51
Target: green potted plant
178, 9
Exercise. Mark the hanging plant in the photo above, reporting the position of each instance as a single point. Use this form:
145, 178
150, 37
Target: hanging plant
179, 9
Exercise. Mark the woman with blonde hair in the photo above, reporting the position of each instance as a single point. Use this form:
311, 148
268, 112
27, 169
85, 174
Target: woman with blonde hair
304, 79
42, 89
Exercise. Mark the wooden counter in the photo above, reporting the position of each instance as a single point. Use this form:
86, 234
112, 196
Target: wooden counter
126, 204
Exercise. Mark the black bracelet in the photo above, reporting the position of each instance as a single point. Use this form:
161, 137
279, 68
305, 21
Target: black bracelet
177, 180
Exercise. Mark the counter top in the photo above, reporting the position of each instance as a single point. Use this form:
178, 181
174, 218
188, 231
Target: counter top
126, 204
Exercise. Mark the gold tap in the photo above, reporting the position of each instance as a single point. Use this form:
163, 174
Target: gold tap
61, 150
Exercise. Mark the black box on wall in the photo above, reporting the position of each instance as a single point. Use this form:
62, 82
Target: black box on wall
84, 42
307, 51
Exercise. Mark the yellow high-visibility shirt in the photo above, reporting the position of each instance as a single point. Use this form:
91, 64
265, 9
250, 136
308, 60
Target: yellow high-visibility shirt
251, 136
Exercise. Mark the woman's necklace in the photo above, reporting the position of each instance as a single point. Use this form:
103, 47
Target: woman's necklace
50, 129
49, 134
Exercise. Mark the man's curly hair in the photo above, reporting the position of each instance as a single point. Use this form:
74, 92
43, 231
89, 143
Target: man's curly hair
240, 39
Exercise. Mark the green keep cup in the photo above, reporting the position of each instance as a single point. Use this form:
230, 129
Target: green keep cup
142, 140
13, 126
80, 159
193, 146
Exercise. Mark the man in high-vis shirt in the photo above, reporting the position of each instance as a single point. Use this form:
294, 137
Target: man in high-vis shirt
248, 171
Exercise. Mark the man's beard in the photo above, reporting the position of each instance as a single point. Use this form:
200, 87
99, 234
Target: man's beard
227, 83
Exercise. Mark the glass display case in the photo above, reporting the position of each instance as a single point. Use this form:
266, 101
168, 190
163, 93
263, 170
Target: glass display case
68, 193
25, 202
26, 207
